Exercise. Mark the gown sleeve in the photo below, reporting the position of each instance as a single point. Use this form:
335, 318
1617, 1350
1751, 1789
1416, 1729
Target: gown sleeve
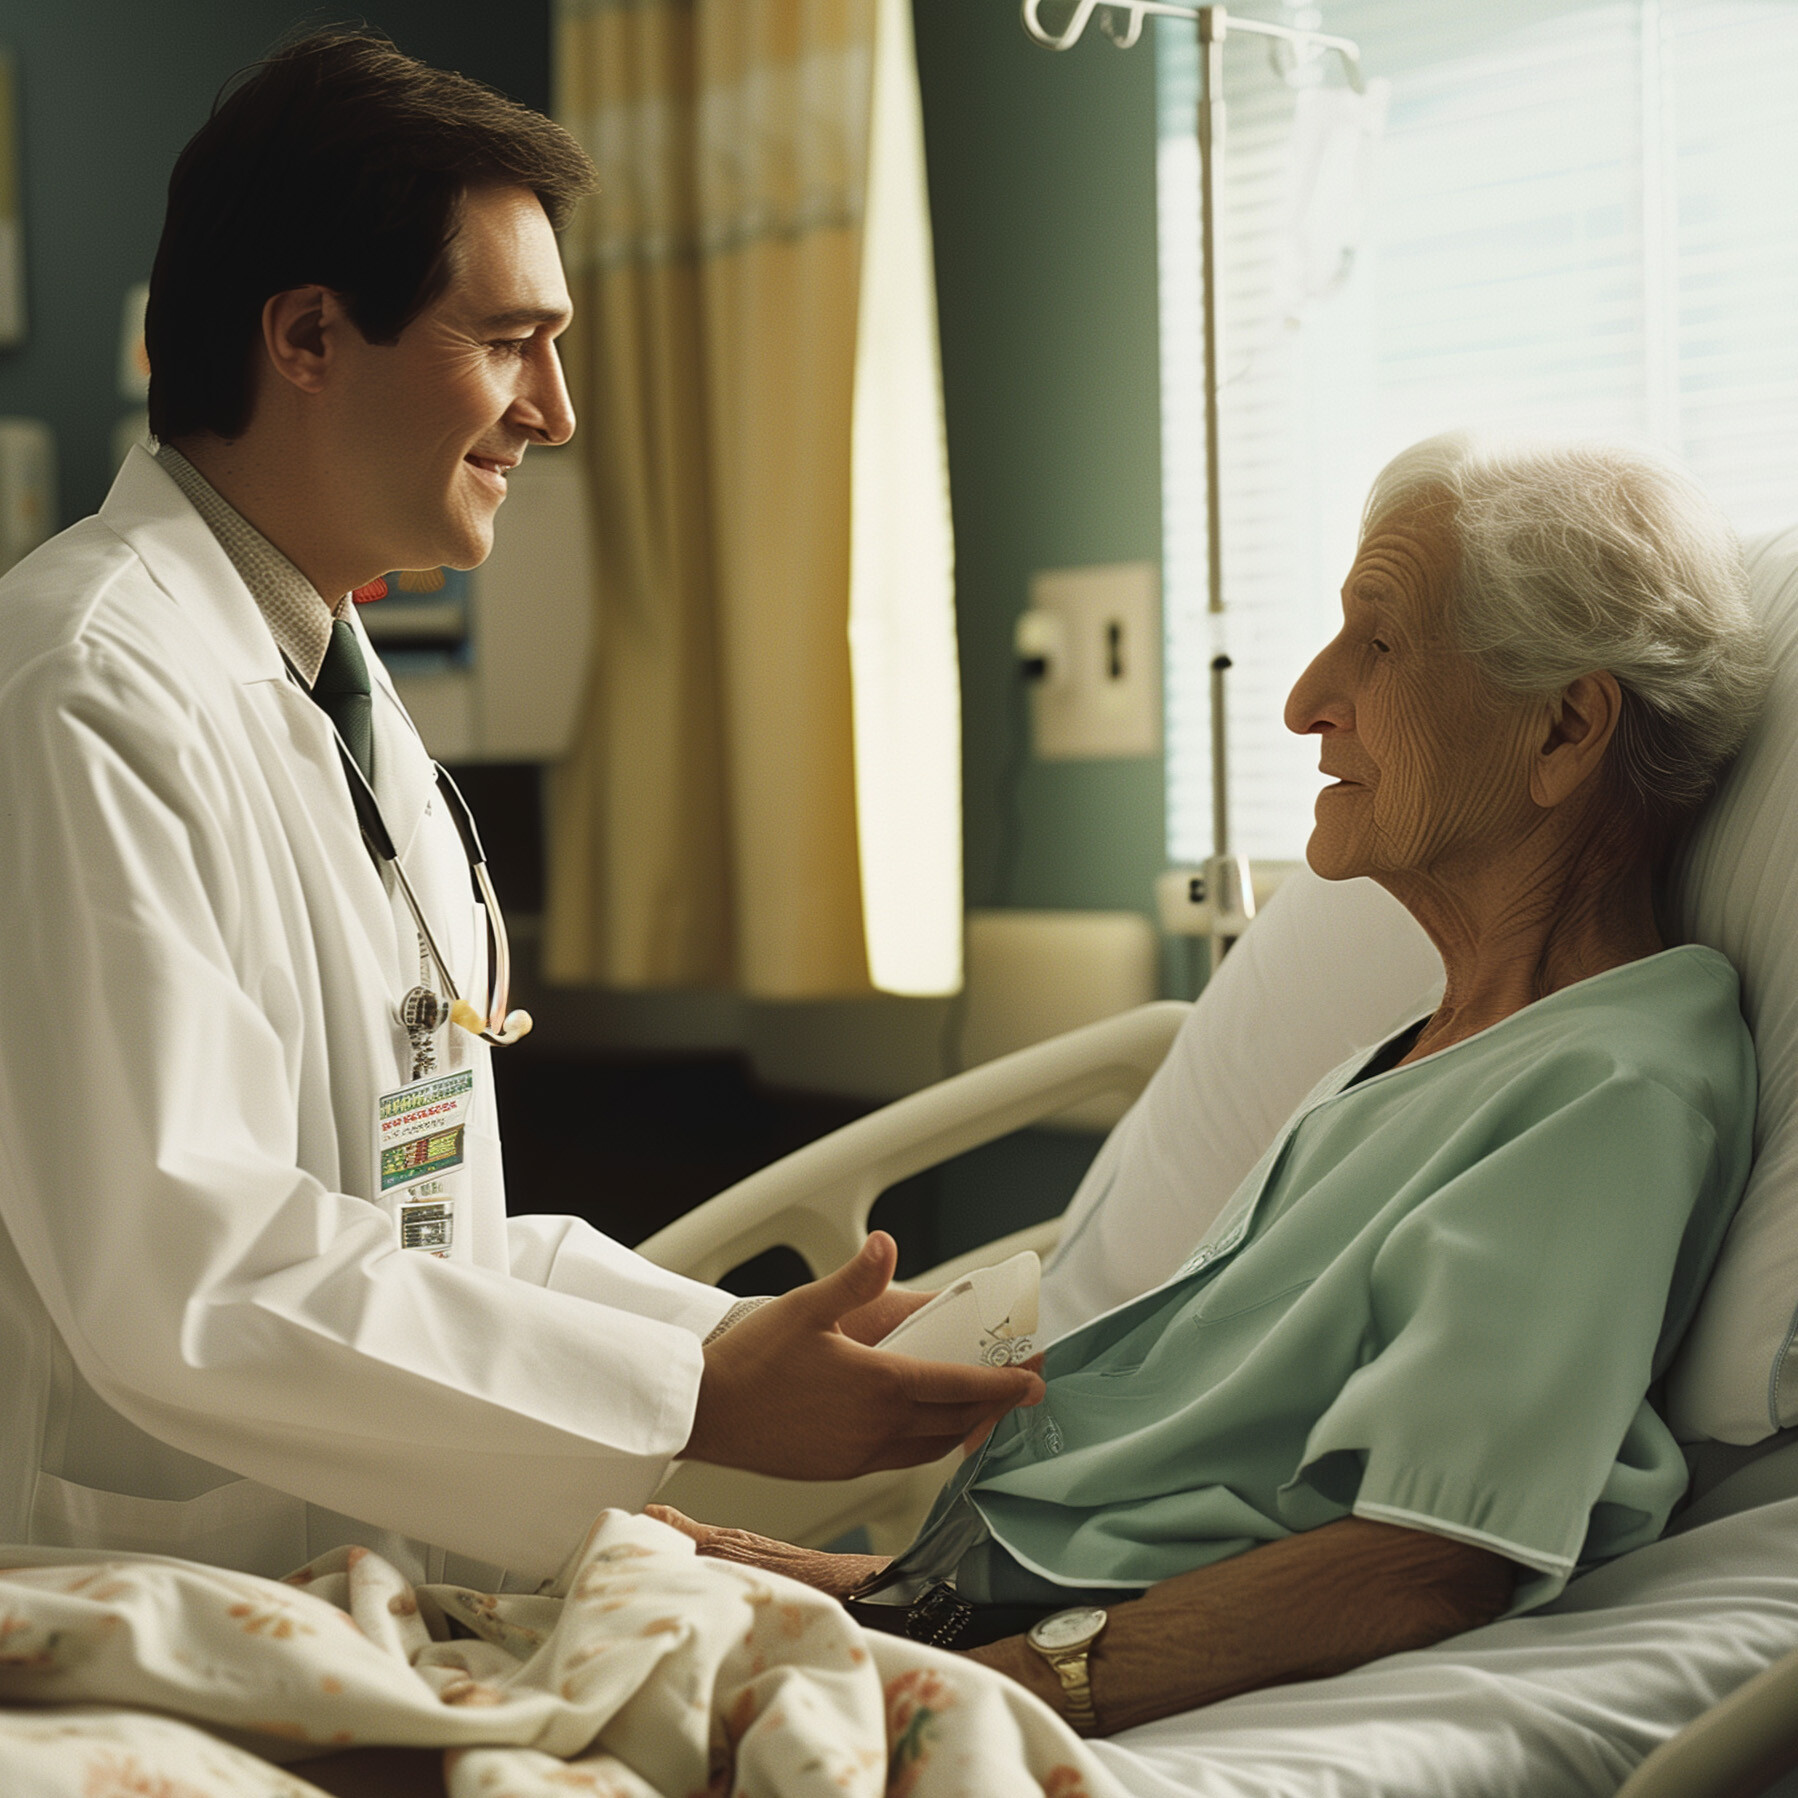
1516, 1318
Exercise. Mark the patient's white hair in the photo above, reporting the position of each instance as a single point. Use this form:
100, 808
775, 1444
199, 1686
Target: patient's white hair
1577, 556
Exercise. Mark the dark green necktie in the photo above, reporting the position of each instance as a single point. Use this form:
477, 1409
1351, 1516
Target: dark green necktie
342, 690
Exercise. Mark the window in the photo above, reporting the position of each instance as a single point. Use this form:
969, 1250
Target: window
1546, 216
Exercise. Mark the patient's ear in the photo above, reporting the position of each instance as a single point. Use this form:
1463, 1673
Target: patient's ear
1578, 726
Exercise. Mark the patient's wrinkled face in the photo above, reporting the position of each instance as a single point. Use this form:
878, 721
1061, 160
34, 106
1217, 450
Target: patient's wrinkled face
1430, 763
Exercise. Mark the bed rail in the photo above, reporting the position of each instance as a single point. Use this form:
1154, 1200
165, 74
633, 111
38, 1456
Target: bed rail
1735, 1750
817, 1201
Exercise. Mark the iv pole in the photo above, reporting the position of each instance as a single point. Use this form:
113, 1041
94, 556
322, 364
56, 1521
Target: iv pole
1228, 885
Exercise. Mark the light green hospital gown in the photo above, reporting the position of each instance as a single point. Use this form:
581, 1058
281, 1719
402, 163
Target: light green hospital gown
1440, 1300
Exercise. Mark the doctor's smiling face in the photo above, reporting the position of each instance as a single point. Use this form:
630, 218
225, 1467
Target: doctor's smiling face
1430, 764
420, 434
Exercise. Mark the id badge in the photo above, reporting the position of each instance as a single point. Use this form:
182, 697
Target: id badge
420, 1145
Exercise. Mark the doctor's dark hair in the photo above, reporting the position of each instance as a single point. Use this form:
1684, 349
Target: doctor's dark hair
340, 162
1575, 556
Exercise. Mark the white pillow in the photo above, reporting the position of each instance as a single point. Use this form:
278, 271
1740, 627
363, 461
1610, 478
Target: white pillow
1331, 967
1736, 1378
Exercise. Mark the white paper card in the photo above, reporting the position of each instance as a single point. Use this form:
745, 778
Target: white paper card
986, 1318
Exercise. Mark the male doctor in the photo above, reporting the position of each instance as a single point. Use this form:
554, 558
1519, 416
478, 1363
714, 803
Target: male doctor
258, 1291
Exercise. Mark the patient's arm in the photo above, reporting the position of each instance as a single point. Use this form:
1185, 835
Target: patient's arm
1302, 1608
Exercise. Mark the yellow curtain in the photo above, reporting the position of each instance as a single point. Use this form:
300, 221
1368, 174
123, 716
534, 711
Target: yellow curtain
706, 828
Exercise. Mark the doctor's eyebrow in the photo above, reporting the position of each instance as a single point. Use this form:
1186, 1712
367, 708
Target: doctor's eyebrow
525, 315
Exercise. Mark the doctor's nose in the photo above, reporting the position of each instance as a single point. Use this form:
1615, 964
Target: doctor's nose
544, 409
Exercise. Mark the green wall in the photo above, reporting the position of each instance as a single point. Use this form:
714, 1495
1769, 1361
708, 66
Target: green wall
1043, 194
1042, 171
1042, 188
109, 92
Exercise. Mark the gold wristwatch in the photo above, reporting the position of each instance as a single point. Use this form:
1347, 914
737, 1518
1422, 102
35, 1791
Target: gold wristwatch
1065, 1641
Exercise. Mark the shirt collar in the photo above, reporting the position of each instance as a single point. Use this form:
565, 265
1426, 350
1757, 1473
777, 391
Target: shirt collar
299, 617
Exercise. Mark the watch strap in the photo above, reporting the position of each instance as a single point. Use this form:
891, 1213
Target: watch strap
1073, 1667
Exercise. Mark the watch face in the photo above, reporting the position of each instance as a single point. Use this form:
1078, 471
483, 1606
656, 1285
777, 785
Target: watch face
1067, 1629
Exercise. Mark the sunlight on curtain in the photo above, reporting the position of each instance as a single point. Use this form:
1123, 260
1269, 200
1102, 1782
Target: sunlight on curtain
736, 810
902, 568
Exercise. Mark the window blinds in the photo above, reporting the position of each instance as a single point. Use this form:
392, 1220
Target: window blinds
1579, 220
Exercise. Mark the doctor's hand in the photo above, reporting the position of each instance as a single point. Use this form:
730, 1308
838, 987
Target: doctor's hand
880, 1317
787, 1392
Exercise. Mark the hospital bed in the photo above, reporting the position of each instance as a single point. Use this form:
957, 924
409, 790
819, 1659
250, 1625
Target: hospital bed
1671, 1672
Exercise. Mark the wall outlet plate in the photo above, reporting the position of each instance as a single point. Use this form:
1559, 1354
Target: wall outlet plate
1183, 904
1106, 699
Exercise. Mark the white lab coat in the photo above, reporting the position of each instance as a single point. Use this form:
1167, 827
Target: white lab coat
211, 1344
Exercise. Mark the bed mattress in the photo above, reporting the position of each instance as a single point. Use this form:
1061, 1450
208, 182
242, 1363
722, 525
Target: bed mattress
1563, 1703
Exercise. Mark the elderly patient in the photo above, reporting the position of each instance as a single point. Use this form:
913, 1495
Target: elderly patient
1405, 1382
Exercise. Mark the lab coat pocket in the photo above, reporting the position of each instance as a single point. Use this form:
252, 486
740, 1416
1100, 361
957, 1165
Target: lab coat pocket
240, 1524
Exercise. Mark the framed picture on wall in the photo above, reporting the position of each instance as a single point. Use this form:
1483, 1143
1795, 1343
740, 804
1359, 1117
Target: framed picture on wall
12, 209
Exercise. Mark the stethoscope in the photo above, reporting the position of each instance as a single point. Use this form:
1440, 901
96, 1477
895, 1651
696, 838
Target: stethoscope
422, 1011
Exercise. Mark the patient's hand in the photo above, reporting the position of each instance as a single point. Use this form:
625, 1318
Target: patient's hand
836, 1575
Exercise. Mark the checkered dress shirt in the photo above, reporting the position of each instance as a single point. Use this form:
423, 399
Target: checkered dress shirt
297, 614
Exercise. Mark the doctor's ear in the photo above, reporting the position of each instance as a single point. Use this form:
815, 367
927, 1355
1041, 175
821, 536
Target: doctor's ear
297, 331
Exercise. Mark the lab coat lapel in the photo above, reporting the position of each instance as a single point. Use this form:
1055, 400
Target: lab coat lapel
406, 786
151, 513
405, 779
315, 769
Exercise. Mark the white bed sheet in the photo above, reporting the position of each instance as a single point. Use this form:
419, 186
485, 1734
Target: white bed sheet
1560, 1704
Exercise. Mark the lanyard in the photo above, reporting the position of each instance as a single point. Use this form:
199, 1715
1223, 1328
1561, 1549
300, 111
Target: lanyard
498, 1026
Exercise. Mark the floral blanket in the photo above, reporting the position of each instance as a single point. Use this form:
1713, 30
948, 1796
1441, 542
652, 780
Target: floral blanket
647, 1673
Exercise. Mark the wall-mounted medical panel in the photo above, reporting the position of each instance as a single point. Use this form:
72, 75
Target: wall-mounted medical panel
493, 664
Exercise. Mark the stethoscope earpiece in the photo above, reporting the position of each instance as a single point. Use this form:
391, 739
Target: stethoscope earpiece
516, 1024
